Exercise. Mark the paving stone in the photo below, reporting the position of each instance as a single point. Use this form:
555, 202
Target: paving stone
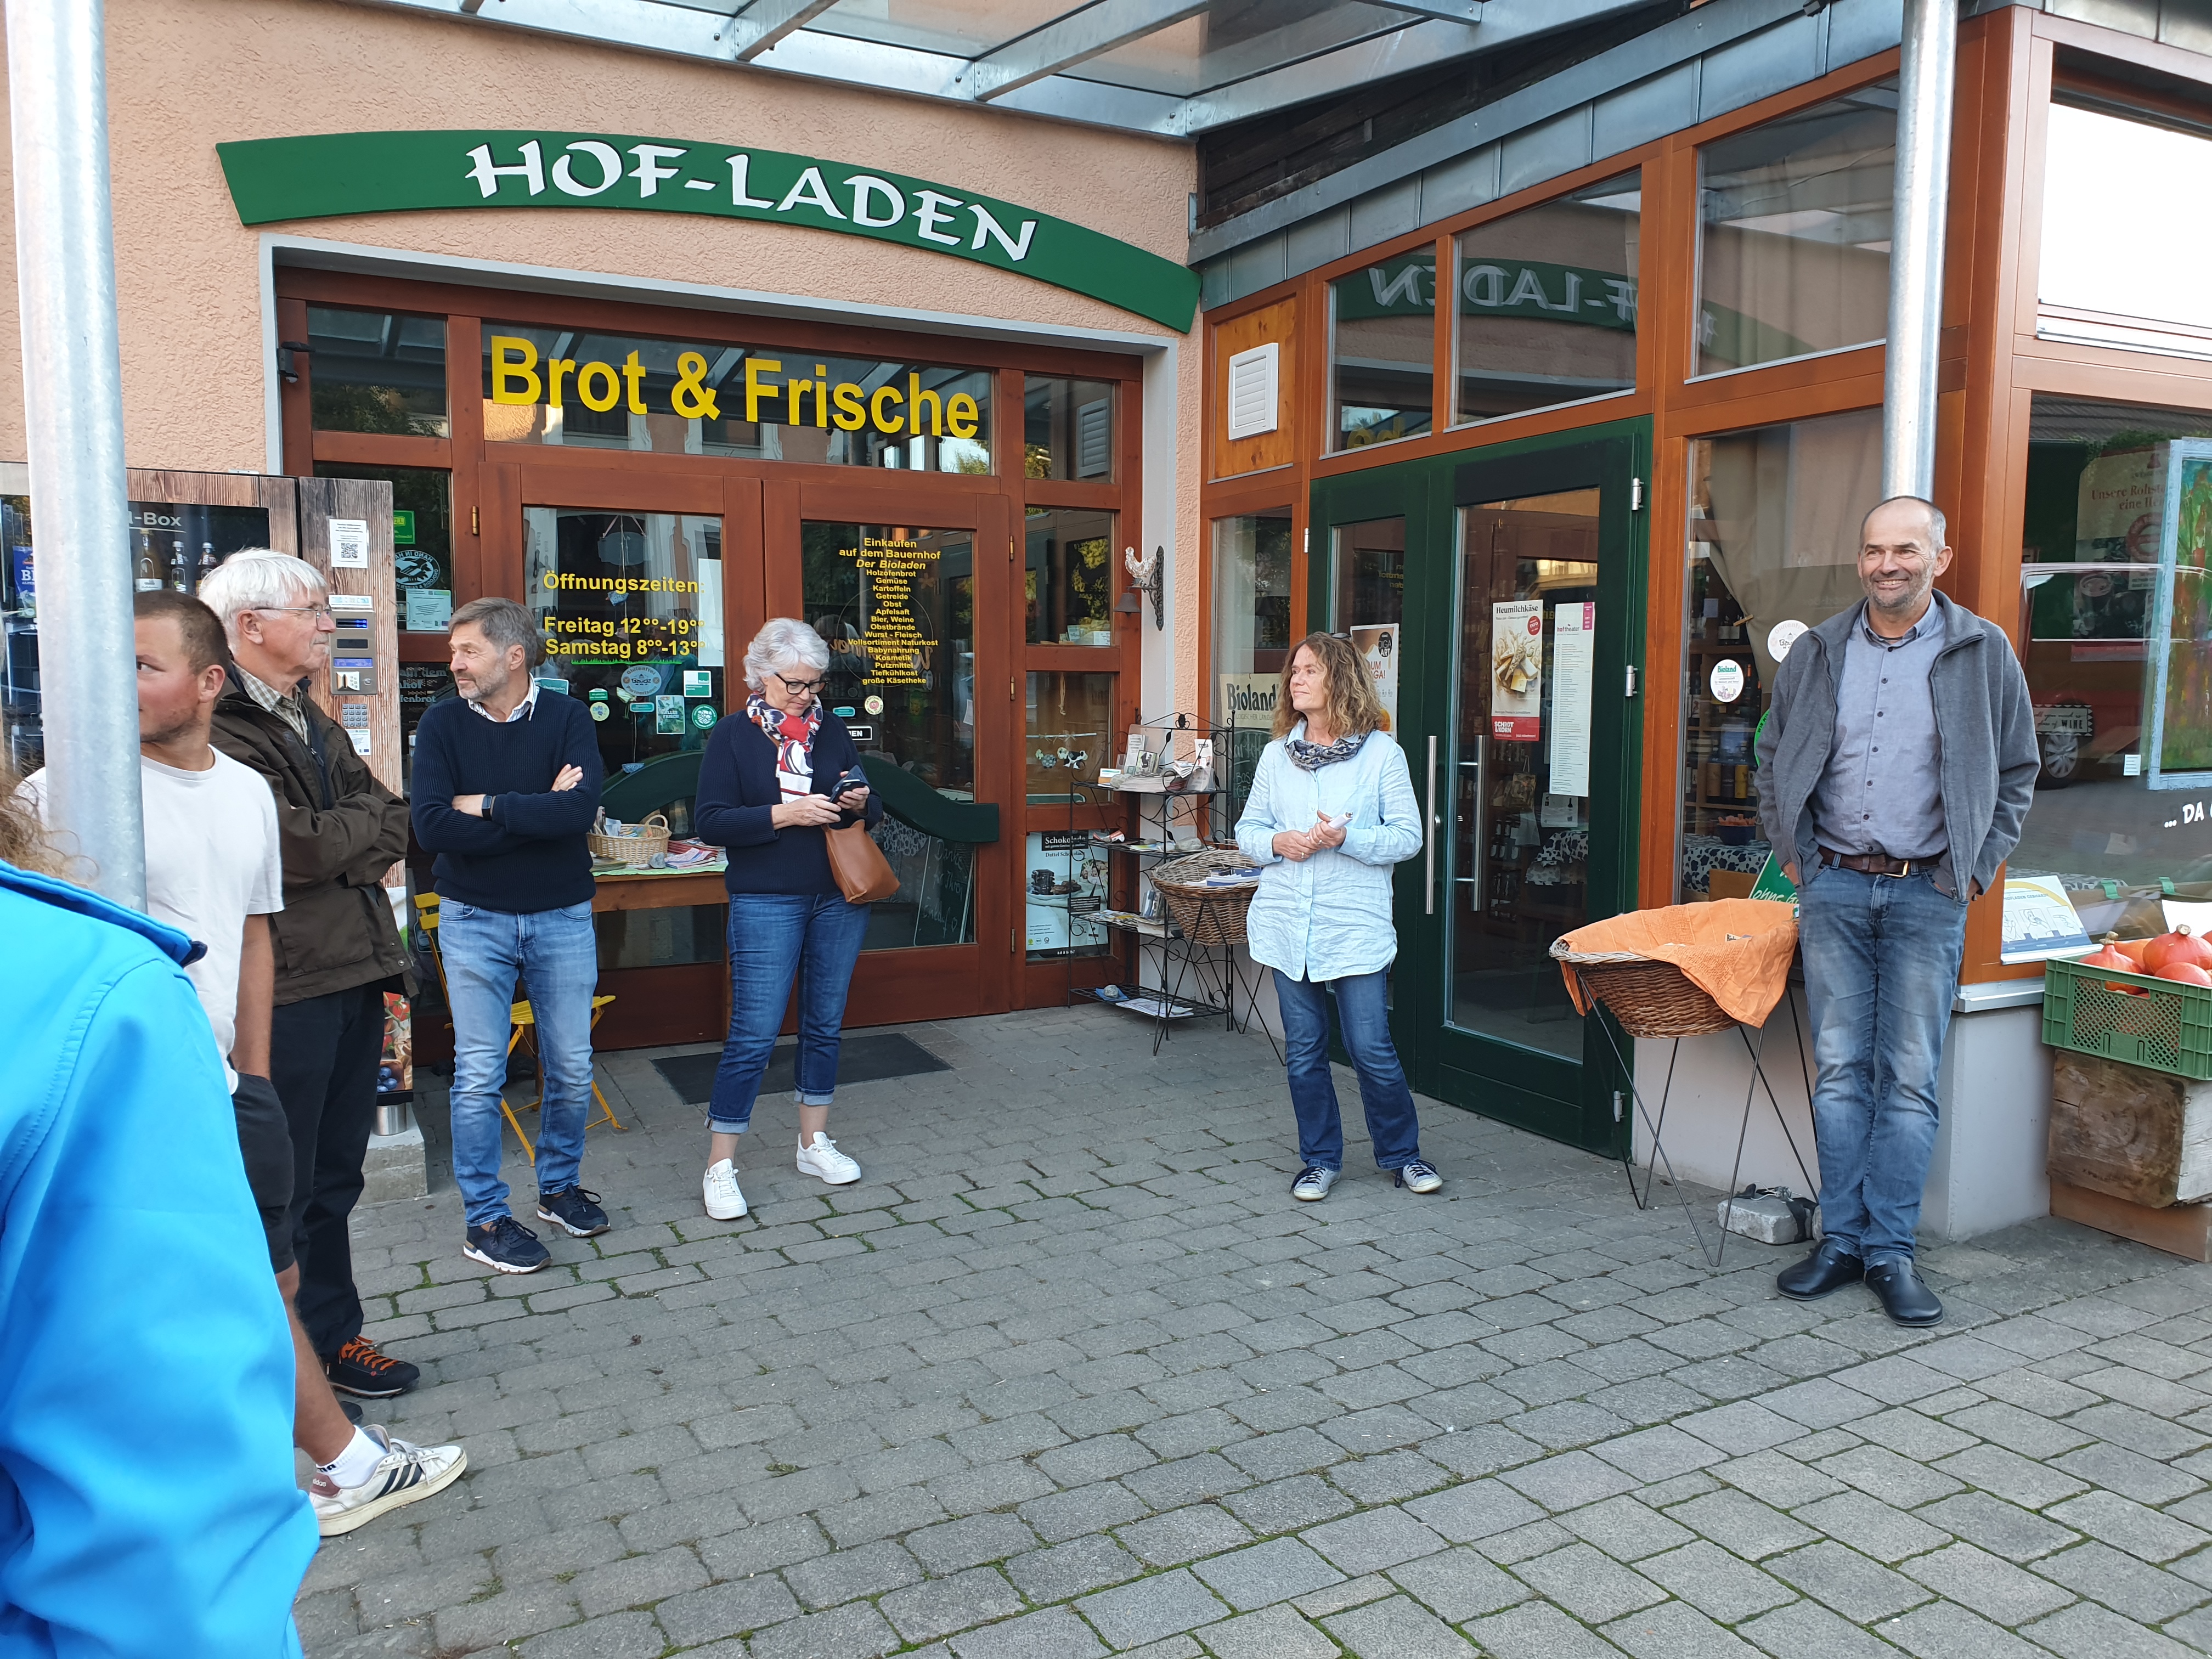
1676, 1631
850, 1575
1273, 1572
1591, 1586
1273, 1634
2122, 1583
1658, 1453
618, 1636
1568, 1482
1989, 1585
854, 1631
1287, 1506
1774, 1478
1182, 1535
1459, 1584
640, 1581
2119, 1521
1741, 1524
1846, 1581
1743, 1427
1072, 1568
1715, 1583
1372, 1541
968, 1542
923, 1612
2086, 1631
2000, 1528
1943, 1629
1398, 1628
1871, 1526
1151, 1609
1805, 1629
1535, 1629
1881, 1473
1624, 1528
2024, 1431
2130, 1473
1478, 1509
2019, 1480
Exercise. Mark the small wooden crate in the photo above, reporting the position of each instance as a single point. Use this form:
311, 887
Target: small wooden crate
2182, 1230
2132, 1133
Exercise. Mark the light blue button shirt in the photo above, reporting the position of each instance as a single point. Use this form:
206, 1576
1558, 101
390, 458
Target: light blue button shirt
1328, 916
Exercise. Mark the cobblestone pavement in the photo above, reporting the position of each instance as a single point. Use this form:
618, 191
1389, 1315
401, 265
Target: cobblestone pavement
1068, 1373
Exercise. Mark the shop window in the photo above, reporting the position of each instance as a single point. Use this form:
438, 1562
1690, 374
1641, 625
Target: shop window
1773, 549
1067, 576
421, 537
1370, 574
2117, 643
1068, 735
2108, 184
377, 371
1546, 311
22, 728
1251, 635
1067, 429
550, 386
1794, 250
1381, 354
631, 606
897, 607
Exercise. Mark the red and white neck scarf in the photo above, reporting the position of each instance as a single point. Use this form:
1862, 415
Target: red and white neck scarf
792, 734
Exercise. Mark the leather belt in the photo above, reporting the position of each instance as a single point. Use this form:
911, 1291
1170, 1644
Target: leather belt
1876, 864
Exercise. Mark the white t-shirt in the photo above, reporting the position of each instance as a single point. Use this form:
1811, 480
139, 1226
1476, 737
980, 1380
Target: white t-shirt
211, 862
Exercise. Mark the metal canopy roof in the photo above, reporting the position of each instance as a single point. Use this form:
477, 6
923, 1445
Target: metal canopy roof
1173, 67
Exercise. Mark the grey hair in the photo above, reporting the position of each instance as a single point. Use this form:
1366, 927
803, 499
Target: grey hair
502, 623
1939, 531
784, 642
258, 579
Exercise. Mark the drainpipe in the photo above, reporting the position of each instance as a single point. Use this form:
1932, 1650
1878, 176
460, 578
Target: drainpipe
73, 423
1921, 197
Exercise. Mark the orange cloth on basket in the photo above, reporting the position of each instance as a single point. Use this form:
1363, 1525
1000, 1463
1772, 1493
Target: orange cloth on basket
1737, 951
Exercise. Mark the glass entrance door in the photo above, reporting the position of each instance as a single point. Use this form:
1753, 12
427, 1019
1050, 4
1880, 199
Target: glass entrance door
1510, 581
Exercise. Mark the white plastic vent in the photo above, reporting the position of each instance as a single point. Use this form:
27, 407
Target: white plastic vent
1253, 401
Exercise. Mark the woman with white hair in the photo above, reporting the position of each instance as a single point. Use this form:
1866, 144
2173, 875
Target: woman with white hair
771, 785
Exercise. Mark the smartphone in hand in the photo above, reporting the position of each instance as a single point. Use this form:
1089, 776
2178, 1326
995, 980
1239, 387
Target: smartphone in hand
855, 779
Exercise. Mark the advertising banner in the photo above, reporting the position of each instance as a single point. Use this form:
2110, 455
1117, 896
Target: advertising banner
1517, 670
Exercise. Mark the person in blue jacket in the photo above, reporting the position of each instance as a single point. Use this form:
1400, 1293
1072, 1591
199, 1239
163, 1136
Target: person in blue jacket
136, 1517
1331, 810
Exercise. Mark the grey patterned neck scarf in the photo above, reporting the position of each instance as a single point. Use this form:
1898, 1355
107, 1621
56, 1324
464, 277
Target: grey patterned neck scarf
1312, 757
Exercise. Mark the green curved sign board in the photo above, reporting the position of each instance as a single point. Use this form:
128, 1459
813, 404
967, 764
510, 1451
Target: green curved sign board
324, 175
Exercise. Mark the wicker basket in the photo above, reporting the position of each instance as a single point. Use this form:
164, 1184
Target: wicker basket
1649, 999
639, 844
1207, 916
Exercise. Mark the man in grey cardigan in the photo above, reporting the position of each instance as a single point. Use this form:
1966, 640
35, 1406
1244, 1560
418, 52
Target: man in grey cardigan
1895, 764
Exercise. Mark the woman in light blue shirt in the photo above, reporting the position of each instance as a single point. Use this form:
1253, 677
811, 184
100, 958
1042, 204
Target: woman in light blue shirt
1331, 810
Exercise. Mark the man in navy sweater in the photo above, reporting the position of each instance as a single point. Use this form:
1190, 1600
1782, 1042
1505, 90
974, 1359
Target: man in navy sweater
505, 786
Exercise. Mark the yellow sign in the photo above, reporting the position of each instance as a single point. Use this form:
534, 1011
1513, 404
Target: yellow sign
516, 379
897, 652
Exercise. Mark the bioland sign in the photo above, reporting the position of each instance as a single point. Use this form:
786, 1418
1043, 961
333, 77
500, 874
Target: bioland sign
327, 174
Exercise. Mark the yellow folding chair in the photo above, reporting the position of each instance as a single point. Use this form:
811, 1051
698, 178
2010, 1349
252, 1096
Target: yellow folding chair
525, 1028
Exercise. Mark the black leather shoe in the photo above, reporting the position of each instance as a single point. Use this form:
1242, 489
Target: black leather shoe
1827, 1270
1897, 1284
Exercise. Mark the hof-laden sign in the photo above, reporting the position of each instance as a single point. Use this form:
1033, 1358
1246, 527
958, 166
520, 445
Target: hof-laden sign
897, 652
327, 174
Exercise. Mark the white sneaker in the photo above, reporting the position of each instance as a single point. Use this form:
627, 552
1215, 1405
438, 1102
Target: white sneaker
1313, 1184
404, 1473
823, 1159
719, 1188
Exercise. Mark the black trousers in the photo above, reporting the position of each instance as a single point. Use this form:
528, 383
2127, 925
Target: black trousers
323, 1055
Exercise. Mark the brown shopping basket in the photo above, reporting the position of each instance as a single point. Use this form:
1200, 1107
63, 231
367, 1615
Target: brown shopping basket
1649, 999
1207, 916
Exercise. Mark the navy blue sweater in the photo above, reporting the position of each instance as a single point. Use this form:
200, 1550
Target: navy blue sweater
738, 790
530, 854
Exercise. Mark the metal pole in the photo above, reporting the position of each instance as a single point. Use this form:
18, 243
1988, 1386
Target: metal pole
73, 417
1921, 197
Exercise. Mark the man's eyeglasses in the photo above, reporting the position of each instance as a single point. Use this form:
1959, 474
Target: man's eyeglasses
318, 612
809, 687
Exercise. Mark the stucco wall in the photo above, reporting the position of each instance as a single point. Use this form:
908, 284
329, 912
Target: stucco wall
185, 74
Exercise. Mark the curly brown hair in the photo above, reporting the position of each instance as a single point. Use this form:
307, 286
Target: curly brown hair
23, 841
1355, 709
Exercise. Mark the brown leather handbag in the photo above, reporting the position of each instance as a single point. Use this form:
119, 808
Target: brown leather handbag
864, 874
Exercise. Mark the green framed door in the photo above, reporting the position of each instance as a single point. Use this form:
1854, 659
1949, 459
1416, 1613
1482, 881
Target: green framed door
1519, 590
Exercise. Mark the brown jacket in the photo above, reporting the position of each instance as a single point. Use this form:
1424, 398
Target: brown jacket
339, 830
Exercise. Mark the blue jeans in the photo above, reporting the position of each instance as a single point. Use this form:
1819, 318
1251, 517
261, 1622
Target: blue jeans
1392, 1122
1882, 965
558, 955
772, 938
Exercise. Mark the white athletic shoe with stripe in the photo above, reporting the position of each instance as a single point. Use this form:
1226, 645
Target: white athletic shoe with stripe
404, 1473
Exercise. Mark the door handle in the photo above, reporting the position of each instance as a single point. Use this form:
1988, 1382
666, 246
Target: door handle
1429, 833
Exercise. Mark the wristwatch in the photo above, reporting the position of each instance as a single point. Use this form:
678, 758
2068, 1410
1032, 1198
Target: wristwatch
483, 808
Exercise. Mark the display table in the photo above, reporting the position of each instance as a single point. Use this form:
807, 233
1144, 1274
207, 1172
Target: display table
659, 890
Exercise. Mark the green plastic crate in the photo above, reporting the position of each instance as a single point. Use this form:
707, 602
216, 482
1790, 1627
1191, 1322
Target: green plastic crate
2153, 1022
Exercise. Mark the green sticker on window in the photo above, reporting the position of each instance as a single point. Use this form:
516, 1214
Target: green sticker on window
403, 527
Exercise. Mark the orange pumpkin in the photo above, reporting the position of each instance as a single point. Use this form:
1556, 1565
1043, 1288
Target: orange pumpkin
2180, 945
2132, 949
2111, 957
2184, 972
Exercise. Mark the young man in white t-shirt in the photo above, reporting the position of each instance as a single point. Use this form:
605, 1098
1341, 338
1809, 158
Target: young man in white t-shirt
213, 871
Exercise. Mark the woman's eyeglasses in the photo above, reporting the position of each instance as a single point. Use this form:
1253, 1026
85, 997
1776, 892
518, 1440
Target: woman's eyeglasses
809, 687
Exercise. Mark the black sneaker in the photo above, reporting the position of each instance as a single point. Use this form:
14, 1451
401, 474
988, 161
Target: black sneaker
358, 1369
575, 1209
508, 1245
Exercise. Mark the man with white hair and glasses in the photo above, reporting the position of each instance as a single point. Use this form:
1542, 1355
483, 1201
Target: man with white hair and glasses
336, 948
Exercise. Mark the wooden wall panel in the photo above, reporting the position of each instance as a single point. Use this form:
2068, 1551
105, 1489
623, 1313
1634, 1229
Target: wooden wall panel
1278, 323
322, 500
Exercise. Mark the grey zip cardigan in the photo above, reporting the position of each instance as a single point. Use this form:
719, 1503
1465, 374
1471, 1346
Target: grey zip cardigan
1984, 735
